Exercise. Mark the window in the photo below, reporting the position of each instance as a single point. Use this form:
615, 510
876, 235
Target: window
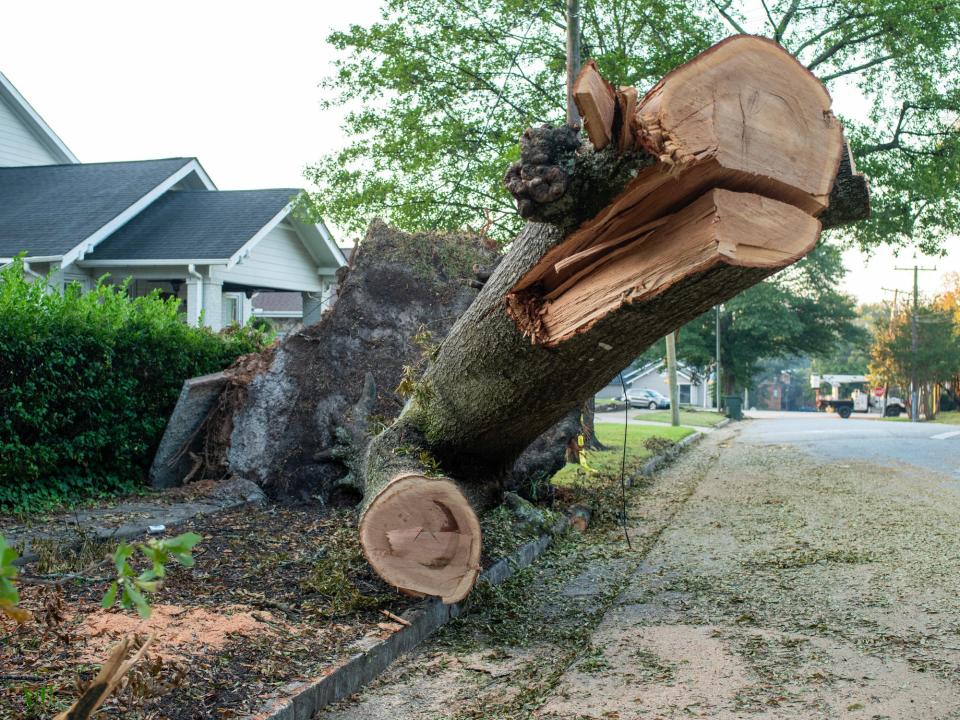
230, 308
685, 394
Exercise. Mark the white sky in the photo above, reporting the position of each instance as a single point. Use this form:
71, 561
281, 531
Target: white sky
234, 84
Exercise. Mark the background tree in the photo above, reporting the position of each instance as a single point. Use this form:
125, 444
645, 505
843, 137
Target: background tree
799, 312
894, 362
438, 91
850, 354
949, 301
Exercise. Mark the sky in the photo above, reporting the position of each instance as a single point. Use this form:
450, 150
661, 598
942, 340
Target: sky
236, 85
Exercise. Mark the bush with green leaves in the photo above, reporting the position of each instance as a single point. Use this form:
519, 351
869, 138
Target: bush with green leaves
87, 382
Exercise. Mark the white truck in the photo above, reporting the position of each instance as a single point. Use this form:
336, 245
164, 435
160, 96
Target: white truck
860, 400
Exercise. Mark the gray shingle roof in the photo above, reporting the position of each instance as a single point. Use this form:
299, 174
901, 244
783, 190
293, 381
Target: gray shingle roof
188, 224
49, 209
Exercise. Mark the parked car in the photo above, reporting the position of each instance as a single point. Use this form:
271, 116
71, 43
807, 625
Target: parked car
644, 398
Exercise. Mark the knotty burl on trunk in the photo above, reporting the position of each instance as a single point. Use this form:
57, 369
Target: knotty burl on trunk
706, 185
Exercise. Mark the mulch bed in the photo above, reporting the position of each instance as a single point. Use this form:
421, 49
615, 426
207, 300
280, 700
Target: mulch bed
278, 593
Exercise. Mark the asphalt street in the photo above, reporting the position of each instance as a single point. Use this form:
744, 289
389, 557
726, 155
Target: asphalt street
860, 438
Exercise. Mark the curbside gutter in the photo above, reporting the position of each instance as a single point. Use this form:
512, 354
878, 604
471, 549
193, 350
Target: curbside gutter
301, 700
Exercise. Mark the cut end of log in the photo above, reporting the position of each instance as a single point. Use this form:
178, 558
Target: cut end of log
721, 227
422, 536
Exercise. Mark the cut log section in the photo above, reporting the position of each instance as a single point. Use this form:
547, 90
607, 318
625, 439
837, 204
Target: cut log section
422, 536
740, 229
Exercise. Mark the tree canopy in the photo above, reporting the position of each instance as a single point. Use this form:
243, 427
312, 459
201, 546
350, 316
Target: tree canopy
439, 90
936, 358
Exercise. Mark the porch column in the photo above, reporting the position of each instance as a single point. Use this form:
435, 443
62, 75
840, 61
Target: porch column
312, 307
194, 300
213, 304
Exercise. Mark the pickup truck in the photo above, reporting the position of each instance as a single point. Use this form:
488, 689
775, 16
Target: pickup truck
860, 401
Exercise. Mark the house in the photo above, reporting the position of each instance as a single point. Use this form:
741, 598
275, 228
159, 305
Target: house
161, 223
653, 376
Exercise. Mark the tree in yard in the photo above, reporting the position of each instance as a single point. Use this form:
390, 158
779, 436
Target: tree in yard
934, 359
798, 312
440, 89
949, 301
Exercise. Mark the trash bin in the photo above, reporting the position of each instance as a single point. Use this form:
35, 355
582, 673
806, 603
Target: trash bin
734, 405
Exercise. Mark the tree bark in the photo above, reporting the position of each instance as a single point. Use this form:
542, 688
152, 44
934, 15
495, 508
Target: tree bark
638, 244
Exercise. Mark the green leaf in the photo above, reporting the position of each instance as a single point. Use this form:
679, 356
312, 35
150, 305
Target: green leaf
147, 585
120, 557
110, 597
135, 599
185, 560
183, 543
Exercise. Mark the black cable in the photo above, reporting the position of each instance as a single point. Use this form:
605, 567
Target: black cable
623, 463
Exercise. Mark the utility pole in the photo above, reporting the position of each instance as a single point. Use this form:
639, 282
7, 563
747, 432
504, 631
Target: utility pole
914, 382
672, 379
718, 360
573, 58
893, 308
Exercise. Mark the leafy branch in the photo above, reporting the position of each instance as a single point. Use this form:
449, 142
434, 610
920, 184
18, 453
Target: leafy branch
129, 586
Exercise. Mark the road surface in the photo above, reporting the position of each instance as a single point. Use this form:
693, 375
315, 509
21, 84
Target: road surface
860, 438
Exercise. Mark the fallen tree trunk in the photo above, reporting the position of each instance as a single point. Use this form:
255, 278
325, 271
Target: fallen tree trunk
713, 186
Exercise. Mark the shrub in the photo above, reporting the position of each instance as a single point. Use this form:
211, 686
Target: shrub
87, 381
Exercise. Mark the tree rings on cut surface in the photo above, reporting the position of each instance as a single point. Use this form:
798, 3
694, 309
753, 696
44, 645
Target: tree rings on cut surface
422, 536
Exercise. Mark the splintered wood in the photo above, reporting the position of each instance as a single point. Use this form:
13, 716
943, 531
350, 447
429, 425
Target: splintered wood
422, 536
747, 149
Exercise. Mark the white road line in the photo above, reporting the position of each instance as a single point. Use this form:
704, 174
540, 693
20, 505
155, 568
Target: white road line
944, 436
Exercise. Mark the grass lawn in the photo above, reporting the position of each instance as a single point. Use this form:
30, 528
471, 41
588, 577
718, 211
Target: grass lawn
946, 418
700, 418
607, 462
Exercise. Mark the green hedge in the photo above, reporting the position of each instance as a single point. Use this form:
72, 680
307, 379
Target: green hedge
87, 381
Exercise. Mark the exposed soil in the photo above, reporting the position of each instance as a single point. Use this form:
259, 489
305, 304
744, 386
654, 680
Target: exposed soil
761, 584
277, 594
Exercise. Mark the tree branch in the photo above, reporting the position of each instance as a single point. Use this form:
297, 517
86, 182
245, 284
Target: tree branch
726, 16
894, 142
840, 45
773, 25
858, 68
827, 30
785, 20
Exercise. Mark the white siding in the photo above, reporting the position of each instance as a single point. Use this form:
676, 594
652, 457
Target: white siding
279, 261
18, 145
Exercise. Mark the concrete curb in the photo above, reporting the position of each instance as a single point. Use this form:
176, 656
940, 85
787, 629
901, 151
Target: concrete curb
722, 423
303, 699
658, 461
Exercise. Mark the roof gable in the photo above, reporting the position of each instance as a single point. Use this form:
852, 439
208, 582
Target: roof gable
32, 125
61, 211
